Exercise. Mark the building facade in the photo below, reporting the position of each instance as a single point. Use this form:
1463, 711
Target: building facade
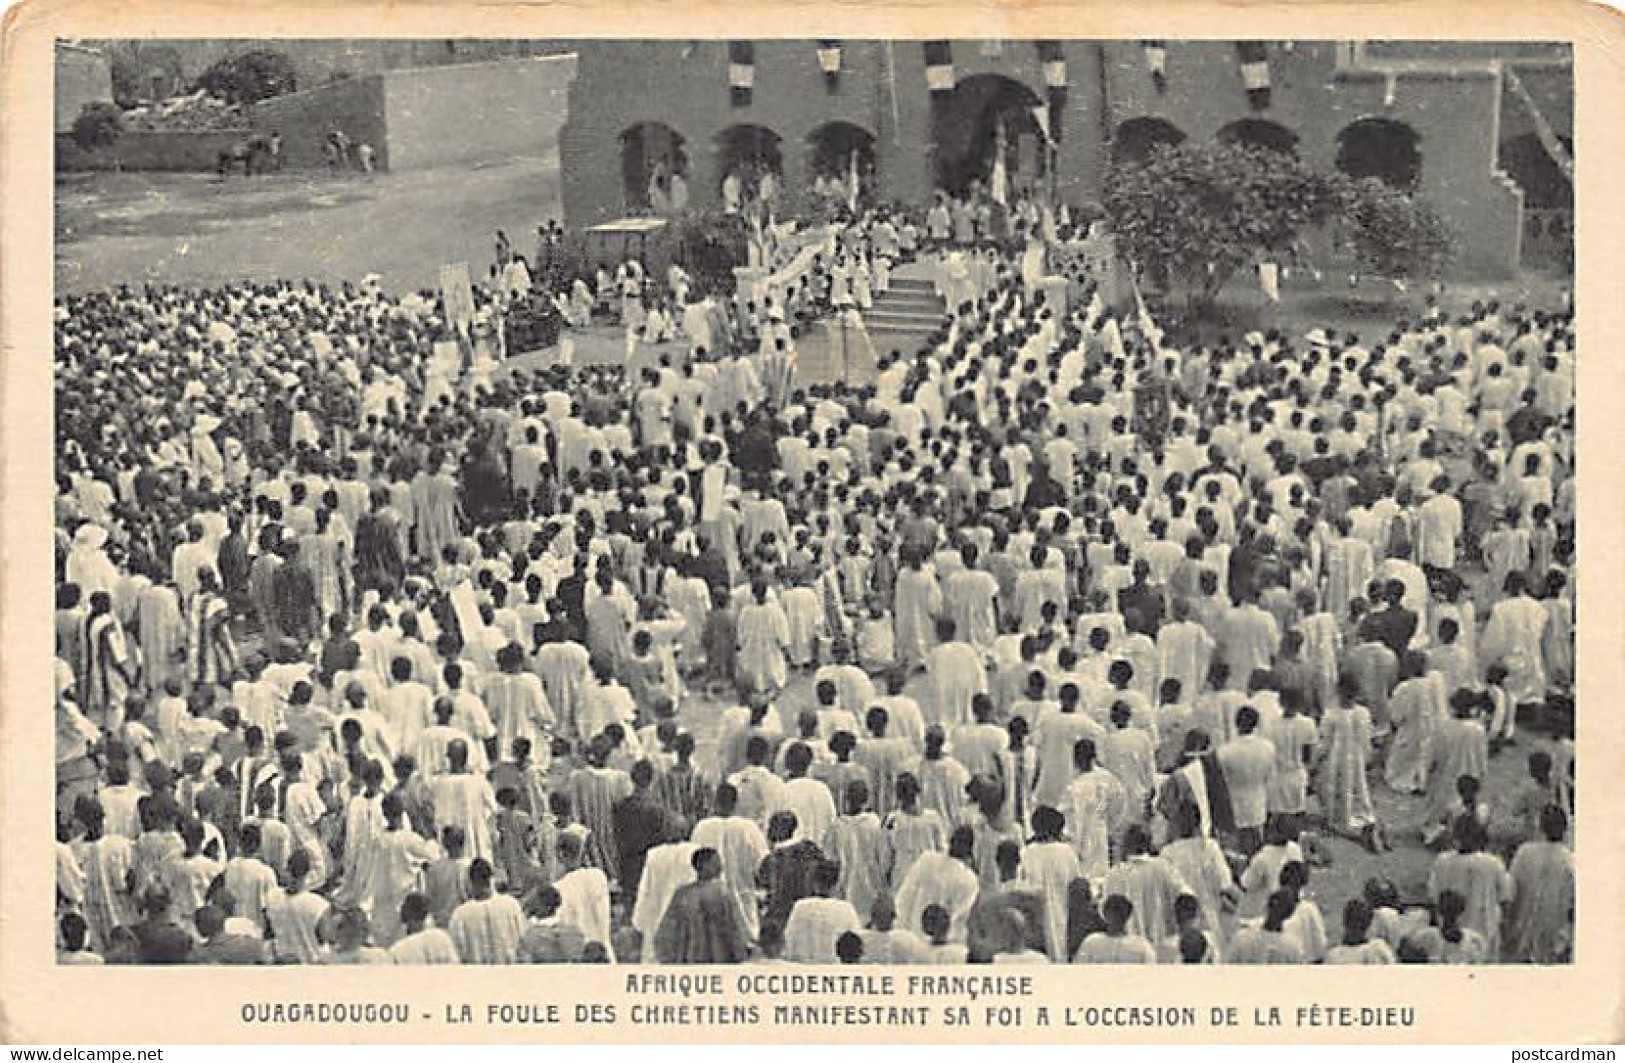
423, 117
1441, 118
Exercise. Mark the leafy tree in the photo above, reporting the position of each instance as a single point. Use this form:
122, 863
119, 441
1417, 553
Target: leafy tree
249, 77
1391, 234
125, 74
98, 126
1195, 214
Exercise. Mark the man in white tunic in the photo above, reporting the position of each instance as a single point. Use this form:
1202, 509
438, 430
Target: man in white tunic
945, 879
818, 921
1513, 639
487, 927
667, 869
464, 800
740, 843
583, 894
957, 675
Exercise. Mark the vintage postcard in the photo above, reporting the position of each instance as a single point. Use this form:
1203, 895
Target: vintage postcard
720, 523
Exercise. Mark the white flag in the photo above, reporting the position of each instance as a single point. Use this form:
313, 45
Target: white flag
1041, 116
1111, 338
1269, 279
1001, 180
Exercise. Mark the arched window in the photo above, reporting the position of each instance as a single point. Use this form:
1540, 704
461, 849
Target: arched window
1383, 148
654, 168
833, 144
1138, 138
835, 149
967, 128
1260, 133
749, 152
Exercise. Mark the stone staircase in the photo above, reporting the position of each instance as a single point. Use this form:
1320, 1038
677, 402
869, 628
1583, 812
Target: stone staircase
902, 318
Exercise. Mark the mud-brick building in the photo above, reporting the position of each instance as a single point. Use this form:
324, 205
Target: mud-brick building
1483, 130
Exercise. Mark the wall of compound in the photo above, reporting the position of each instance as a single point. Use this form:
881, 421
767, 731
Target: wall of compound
475, 112
170, 151
305, 118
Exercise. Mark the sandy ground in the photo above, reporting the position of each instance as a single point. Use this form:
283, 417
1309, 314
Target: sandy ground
200, 229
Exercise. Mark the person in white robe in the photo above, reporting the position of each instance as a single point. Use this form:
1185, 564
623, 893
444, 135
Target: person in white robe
817, 922
957, 674
363, 823
764, 639
584, 894
1151, 883
1094, 804
88, 563
740, 843
1051, 865
1512, 638
517, 700
421, 943
397, 871
295, 915
947, 880
668, 868
464, 800
917, 604
488, 927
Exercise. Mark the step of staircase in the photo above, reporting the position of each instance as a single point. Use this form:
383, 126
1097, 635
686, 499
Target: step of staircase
902, 319
912, 300
905, 316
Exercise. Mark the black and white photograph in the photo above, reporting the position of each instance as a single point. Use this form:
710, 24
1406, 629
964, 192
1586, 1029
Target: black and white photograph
804, 501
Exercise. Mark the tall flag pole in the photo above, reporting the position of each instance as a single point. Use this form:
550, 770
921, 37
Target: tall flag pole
741, 72
1041, 119
1001, 178
891, 94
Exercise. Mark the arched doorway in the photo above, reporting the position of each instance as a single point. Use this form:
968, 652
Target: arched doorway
654, 169
749, 154
1260, 133
1382, 148
967, 128
1138, 138
832, 149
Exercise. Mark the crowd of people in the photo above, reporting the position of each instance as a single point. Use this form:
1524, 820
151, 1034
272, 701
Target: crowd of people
360, 660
